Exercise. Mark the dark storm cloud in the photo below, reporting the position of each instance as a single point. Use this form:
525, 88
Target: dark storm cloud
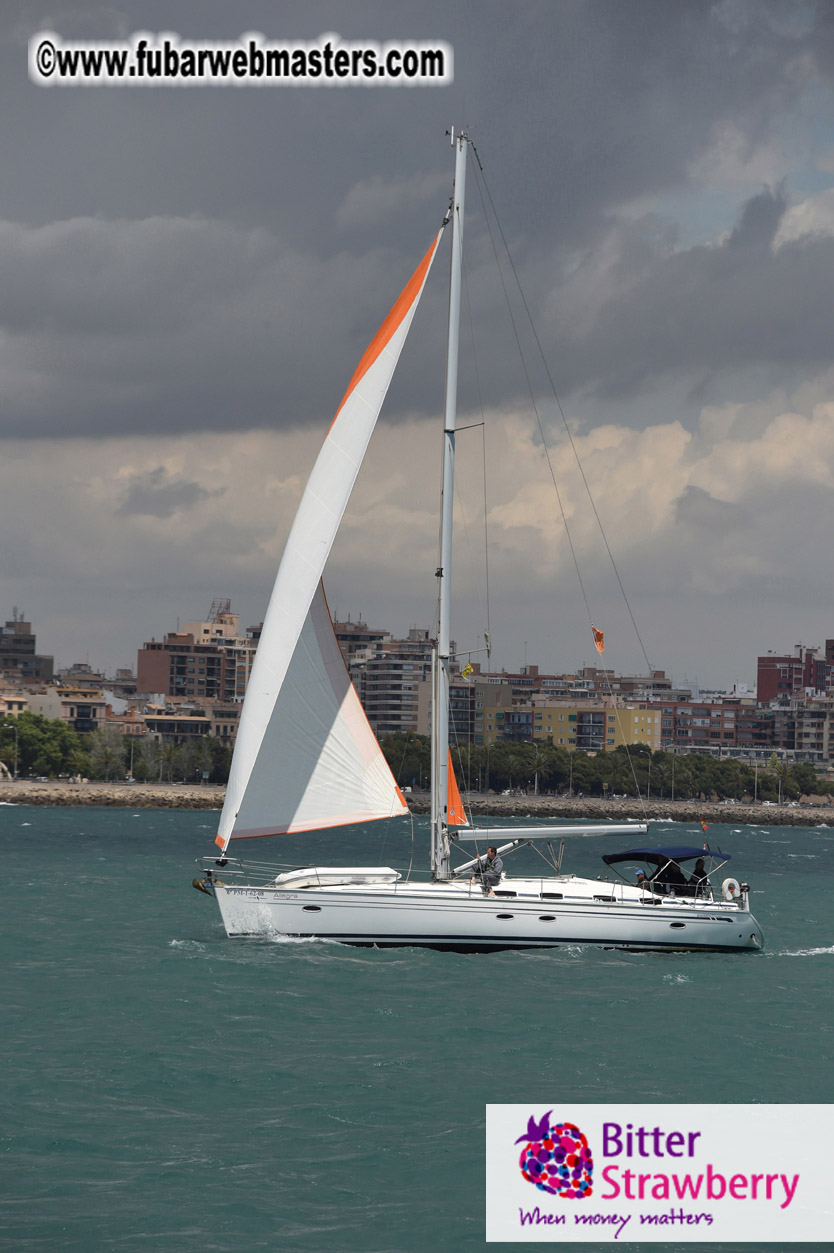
178, 259
714, 309
168, 324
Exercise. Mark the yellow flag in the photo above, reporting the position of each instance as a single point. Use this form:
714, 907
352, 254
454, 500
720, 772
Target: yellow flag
467, 670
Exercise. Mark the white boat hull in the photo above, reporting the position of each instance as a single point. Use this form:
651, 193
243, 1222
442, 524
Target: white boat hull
455, 916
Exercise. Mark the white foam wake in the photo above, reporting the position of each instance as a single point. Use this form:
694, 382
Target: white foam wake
806, 952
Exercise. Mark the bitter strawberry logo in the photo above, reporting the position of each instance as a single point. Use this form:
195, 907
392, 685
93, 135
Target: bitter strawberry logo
556, 1158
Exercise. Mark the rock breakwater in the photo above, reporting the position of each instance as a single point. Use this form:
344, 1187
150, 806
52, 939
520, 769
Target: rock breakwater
184, 796
129, 795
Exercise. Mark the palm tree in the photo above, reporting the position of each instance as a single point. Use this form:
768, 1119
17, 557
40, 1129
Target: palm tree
107, 757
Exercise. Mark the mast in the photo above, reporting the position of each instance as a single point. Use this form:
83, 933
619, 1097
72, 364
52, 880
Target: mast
440, 863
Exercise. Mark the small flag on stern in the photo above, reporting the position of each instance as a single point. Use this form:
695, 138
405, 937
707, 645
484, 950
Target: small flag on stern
467, 670
599, 639
704, 825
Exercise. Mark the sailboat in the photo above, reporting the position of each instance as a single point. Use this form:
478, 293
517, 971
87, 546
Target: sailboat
306, 759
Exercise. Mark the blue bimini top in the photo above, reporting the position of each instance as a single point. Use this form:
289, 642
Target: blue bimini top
659, 856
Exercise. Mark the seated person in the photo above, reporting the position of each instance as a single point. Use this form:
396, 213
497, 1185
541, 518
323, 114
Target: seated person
670, 878
699, 883
488, 871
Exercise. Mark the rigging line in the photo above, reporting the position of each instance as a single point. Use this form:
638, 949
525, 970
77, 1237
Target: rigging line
411, 859
564, 421
392, 815
456, 742
446, 220
544, 440
458, 497
533, 398
613, 697
483, 439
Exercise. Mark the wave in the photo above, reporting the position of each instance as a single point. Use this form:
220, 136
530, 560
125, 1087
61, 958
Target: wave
805, 952
275, 937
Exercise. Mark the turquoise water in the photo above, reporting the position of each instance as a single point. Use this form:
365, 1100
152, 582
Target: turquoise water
167, 1088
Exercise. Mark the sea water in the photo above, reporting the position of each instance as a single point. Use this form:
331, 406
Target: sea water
167, 1088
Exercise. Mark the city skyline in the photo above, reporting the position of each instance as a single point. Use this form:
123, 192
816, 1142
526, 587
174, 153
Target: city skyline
191, 274
783, 672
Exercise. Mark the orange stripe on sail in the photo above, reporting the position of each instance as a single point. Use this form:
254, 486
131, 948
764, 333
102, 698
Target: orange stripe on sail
399, 310
456, 814
219, 841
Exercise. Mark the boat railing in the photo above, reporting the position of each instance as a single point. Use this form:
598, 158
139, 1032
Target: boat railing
259, 873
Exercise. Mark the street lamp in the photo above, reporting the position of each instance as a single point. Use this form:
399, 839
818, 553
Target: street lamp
648, 775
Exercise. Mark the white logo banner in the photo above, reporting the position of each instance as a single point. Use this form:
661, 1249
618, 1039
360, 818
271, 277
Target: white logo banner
575, 1173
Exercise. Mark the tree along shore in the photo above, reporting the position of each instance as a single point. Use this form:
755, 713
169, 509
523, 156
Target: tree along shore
40, 749
178, 796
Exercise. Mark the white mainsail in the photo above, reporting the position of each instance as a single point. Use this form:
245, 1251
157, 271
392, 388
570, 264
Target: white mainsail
261, 793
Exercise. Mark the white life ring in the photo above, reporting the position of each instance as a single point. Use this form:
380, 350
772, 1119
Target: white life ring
731, 890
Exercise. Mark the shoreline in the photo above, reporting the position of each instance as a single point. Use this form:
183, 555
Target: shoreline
210, 796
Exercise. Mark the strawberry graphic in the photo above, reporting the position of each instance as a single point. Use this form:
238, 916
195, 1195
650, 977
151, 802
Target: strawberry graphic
556, 1158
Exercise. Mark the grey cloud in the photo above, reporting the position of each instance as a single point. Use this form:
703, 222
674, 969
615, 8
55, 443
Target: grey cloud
703, 512
185, 324
373, 199
711, 310
181, 262
155, 494
759, 220
170, 324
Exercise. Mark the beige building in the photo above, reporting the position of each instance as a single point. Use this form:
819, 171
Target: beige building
209, 660
131, 722
591, 725
82, 708
13, 703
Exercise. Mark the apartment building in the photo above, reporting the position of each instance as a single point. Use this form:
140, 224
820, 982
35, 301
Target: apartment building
208, 660
20, 663
357, 640
388, 677
781, 676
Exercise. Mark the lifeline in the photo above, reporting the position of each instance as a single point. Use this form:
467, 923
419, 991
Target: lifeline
639, 1187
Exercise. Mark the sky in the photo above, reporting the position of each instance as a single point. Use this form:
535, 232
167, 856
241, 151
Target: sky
189, 276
